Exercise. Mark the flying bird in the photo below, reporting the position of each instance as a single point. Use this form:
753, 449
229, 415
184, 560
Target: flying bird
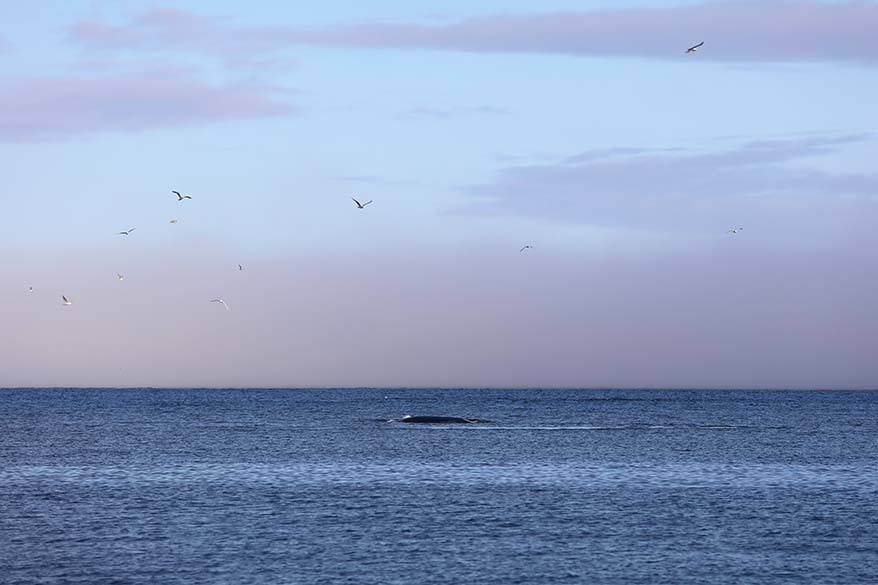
66, 301
526, 247
362, 205
222, 302
120, 276
30, 289
734, 231
181, 197
694, 48
240, 267
173, 221
128, 232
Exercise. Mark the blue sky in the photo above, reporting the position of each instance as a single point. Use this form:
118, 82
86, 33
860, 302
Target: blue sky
475, 127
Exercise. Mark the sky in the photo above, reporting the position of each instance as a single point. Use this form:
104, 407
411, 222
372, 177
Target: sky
578, 126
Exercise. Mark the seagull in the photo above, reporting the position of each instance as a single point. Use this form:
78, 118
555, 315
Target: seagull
526, 247
362, 205
173, 221
120, 276
66, 302
240, 267
128, 232
30, 289
694, 48
733, 231
222, 302
181, 197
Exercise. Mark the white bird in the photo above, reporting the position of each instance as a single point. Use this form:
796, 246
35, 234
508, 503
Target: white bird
65, 301
181, 197
120, 276
128, 232
361, 205
694, 48
526, 247
222, 302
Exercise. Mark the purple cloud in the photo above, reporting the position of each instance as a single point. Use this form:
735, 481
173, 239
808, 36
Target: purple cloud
678, 189
162, 25
55, 108
177, 30
794, 30
734, 31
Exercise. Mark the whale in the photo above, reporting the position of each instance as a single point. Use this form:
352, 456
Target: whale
439, 420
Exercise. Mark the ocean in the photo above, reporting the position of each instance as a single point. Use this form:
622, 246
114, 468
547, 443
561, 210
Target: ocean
315, 486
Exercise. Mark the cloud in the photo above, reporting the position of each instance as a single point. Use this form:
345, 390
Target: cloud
734, 31
679, 189
170, 29
361, 179
445, 113
40, 109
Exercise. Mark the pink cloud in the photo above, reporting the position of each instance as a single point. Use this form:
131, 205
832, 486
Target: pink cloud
177, 30
780, 31
153, 26
55, 108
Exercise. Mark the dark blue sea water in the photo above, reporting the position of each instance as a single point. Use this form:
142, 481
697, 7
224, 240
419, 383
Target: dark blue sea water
289, 486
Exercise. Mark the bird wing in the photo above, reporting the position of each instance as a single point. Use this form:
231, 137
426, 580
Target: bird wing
131, 230
65, 299
523, 249
367, 203
177, 193
357, 202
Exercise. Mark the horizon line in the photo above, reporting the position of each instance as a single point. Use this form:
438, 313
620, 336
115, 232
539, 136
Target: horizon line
454, 388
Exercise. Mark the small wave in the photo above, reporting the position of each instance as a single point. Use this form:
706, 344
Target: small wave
538, 398
544, 428
635, 427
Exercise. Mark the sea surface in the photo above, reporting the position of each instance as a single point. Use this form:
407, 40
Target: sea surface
315, 486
